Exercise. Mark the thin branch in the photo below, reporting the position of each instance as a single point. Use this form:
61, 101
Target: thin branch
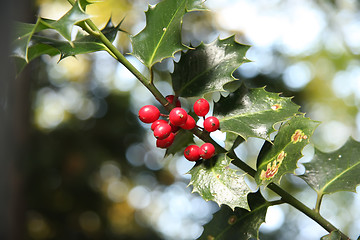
276, 202
151, 76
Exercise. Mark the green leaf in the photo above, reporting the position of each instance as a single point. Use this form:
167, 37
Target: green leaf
334, 235
82, 44
24, 32
161, 37
75, 15
335, 171
232, 140
208, 67
214, 180
240, 224
34, 52
183, 139
23, 35
282, 156
253, 112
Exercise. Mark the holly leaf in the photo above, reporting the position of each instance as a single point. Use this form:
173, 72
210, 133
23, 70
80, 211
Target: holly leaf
208, 67
253, 112
23, 35
161, 37
335, 171
334, 235
239, 224
41, 45
281, 157
232, 141
214, 180
75, 15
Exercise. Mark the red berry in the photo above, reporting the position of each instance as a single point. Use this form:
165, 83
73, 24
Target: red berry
162, 131
211, 124
170, 99
207, 150
192, 153
178, 116
149, 114
165, 143
156, 123
189, 124
201, 107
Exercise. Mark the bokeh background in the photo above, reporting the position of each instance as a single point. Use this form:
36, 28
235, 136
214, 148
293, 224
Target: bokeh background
77, 163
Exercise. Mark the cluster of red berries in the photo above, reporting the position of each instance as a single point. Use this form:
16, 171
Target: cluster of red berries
165, 131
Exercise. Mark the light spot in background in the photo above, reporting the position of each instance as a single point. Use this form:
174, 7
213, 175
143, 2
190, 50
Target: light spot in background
183, 166
331, 135
117, 190
71, 96
86, 110
297, 76
139, 97
109, 170
124, 80
53, 10
270, 24
274, 219
139, 197
135, 154
358, 123
49, 111
219, 137
308, 154
37, 226
352, 34
154, 160
347, 82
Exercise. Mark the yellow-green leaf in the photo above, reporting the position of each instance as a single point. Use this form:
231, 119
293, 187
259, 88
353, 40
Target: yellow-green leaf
282, 157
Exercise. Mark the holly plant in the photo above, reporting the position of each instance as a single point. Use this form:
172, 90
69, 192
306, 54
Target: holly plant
241, 112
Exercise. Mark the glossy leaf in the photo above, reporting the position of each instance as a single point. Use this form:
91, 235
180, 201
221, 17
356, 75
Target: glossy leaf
215, 181
282, 157
161, 37
335, 171
75, 15
240, 224
334, 235
34, 52
232, 140
208, 67
23, 47
23, 35
82, 44
253, 112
